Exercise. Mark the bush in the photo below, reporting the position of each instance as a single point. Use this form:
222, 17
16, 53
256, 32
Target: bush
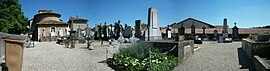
136, 58
138, 50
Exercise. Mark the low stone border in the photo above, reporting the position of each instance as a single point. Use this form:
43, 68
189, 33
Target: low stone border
196, 49
259, 64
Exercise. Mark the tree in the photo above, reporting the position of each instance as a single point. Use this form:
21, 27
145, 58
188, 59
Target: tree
12, 19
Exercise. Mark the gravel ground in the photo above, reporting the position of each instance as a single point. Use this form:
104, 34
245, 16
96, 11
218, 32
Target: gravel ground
213, 56
48, 56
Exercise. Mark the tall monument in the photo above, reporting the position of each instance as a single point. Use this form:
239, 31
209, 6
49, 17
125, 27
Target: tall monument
153, 31
225, 29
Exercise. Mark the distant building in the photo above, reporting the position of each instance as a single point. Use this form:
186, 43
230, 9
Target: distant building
47, 26
209, 29
78, 23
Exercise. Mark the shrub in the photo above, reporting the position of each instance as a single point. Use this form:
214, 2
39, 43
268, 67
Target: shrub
250, 37
138, 50
136, 58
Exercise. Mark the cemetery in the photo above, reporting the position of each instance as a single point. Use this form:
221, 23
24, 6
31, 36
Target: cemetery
52, 44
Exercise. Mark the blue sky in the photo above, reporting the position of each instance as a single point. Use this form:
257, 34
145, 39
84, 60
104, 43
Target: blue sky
246, 13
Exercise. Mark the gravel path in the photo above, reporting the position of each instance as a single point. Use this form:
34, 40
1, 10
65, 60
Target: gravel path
213, 56
48, 56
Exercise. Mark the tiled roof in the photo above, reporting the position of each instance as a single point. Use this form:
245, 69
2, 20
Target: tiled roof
52, 22
194, 20
211, 30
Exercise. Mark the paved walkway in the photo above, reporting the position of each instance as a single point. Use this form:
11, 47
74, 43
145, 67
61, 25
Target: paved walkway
48, 56
213, 56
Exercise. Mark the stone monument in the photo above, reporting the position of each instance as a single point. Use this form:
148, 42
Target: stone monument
193, 30
235, 32
138, 28
153, 31
225, 29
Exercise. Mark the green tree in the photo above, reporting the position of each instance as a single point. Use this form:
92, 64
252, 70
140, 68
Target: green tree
12, 19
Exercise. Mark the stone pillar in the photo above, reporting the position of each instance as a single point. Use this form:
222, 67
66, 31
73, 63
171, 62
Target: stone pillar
138, 28
235, 32
193, 31
225, 29
105, 31
215, 35
203, 35
153, 29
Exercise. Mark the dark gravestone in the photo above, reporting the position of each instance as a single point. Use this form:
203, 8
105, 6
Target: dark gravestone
128, 32
235, 32
181, 30
215, 35
138, 28
100, 31
117, 29
203, 35
105, 31
193, 31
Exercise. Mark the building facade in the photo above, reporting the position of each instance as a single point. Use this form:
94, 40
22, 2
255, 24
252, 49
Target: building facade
79, 25
47, 26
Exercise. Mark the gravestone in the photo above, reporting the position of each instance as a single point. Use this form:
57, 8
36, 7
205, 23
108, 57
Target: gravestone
181, 30
225, 29
105, 31
169, 32
153, 31
235, 32
215, 35
128, 32
203, 35
121, 39
193, 31
138, 28
117, 29
100, 31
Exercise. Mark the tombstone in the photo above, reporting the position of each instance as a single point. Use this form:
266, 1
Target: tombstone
203, 35
89, 35
133, 39
235, 32
153, 28
181, 30
215, 35
138, 28
169, 32
117, 29
79, 36
128, 32
225, 37
96, 31
225, 29
193, 31
100, 31
121, 39
105, 31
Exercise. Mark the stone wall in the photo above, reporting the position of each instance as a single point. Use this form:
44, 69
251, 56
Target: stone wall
255, 52
182, 49
251, 47
47, 31
259, 64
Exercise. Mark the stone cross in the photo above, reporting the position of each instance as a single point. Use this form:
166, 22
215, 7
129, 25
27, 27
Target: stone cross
182, 30
235, 32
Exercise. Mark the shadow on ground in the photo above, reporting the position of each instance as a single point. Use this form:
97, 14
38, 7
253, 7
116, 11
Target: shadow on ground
243, 60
